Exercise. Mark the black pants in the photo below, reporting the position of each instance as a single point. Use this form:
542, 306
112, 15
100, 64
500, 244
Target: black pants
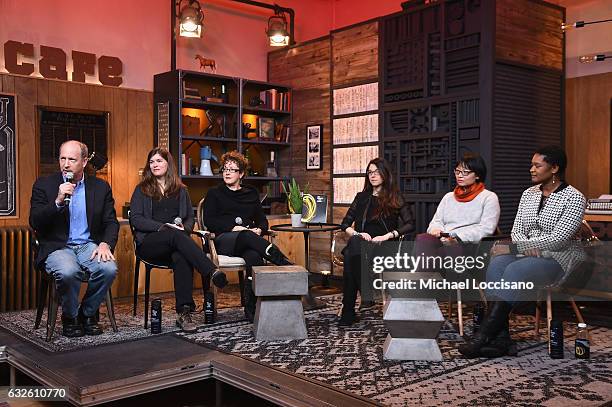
175, 248
246, 244
353, 275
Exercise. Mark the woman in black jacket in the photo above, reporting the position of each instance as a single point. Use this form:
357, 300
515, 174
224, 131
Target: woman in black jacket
162, 217
377, 214
233, 212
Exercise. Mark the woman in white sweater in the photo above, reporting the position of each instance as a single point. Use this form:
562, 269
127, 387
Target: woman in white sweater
466, 214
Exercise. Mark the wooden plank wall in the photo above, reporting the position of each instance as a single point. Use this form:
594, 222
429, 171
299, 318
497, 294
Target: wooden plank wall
306, 69
529, 32
350, 55
588, 133
355, 60
130, 138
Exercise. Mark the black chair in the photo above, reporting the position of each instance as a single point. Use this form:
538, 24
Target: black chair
148, 267
48, 294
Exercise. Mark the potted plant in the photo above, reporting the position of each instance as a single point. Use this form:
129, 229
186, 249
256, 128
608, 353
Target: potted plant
294, 201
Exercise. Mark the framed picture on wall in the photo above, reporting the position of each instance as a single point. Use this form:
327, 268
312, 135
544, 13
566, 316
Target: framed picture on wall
8, 156
313, 147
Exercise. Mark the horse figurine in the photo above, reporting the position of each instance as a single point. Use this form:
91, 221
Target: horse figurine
204, 62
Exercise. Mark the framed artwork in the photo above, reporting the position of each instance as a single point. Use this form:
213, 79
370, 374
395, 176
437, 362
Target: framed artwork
8, 156
313, 147
265, 127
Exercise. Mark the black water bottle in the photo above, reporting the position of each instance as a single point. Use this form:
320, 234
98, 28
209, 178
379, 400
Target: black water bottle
555, 342
478, 316
156, 316
209, 308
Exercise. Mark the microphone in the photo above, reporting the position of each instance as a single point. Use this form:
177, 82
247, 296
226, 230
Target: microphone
68, 197
238, 220
178, 221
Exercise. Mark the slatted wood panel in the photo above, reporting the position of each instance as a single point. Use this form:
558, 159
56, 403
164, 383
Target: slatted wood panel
355, 54
529, 32
588, 134
306, 69
130, 138
526, 115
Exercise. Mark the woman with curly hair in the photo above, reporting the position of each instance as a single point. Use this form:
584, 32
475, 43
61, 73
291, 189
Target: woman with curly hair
233, 212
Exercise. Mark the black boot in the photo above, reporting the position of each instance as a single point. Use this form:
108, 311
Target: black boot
501, 345
348, 317
492, 325
250, 301
275, 256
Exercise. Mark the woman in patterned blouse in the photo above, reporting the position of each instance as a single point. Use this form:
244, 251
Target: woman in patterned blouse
548, 218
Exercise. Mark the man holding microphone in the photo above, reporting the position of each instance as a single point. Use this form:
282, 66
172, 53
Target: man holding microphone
76, 226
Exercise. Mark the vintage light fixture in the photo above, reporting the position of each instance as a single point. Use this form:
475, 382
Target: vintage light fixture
277, 30
190, 20
580, 24
587, 59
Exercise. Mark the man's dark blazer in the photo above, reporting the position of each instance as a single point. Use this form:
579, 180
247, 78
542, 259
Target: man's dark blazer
52, 225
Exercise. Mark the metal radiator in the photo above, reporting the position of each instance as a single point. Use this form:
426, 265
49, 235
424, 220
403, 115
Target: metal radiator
18, 280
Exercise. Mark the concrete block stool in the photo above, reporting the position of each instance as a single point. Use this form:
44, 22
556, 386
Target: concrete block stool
413, 321
279, 314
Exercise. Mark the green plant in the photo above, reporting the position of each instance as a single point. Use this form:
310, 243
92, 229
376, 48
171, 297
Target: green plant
294, 195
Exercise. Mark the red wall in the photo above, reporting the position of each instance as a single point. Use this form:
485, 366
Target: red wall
138, 31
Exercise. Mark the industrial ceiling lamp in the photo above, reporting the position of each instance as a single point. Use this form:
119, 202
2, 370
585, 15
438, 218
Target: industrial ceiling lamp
190, 20
277, 30
587, 59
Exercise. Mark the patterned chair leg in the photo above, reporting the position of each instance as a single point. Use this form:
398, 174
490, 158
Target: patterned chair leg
110, 309
52, 311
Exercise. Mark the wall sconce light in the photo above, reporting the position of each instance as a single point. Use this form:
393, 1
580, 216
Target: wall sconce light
277, 30
190, 19
580, 24
587, 59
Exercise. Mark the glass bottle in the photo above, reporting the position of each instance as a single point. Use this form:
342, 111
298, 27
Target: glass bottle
583, 349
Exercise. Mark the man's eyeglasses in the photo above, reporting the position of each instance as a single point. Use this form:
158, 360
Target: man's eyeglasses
465, 173
376, 171
230, 170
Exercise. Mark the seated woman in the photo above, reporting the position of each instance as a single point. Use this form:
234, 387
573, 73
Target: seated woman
548, 218
377, 214
158, 202
467, 214
233, 212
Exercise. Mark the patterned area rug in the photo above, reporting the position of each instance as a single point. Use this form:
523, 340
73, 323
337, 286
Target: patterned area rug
130, 327
352, 360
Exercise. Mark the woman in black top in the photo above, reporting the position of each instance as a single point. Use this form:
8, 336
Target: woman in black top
233, 212
162, 217
377, 214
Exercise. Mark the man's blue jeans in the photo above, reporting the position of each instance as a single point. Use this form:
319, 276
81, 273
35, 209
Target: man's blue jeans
539, 270
70, 267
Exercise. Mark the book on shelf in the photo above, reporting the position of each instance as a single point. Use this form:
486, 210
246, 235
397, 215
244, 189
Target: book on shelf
275, 100
213, 99
184, 164
281, 133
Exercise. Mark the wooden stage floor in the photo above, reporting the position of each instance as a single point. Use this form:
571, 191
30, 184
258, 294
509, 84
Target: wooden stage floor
118, 371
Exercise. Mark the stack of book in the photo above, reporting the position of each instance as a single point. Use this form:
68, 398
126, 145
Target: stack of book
273, 99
